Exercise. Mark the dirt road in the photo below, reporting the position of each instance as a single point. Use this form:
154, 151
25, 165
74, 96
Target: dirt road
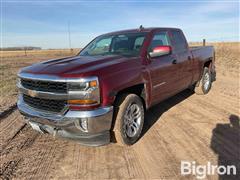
185, 127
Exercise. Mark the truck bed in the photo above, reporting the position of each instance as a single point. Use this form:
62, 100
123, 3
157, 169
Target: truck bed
202, 53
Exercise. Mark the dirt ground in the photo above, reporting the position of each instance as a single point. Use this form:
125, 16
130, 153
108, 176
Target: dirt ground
186, 127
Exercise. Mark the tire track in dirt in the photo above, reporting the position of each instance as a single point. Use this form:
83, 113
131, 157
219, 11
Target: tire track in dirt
17, 150
157, 149
55, 152
8, 111
43, 163
39, 156
23, 139
21, 148
207, 106
179, 132
10, 127
16, 138
177, 136
5, 145
8, 169
11, 152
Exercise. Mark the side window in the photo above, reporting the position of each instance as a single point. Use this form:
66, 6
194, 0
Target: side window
159, 39
138, 43
179, 41
101, 46
120, 43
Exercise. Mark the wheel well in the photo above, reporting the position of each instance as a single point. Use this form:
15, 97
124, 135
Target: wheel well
136, 89
208, 63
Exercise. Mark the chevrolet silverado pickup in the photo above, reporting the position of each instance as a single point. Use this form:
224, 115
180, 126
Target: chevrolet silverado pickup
101, 94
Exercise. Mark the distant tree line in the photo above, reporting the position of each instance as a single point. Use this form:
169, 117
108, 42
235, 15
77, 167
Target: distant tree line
20, 48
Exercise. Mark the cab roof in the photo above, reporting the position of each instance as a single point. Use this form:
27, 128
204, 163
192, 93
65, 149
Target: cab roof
143, 29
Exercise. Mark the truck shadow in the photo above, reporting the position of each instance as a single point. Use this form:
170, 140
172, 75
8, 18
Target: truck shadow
155, 112
225, 143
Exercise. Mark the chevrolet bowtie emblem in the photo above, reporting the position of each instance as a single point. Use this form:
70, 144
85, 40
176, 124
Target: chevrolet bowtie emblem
32, 93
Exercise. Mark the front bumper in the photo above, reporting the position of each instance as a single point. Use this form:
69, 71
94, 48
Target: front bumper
68, 125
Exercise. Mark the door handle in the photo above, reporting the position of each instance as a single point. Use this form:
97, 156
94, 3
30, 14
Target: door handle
174, 61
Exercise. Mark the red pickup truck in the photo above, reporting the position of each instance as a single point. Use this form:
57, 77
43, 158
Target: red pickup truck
104, 91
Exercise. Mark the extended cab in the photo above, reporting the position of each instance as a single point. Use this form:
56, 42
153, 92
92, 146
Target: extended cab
102, 93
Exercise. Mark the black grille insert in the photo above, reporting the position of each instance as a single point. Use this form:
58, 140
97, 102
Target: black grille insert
45, 104
46, 86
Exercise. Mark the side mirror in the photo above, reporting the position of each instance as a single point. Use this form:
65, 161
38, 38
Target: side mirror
160, 51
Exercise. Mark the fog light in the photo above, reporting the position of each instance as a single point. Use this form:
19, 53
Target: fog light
82, 124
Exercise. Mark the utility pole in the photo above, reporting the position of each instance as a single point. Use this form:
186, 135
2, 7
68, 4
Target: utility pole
69, 37
204, 42
25, 50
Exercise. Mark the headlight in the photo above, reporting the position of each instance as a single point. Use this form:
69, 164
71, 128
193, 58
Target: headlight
86, 91
82, 86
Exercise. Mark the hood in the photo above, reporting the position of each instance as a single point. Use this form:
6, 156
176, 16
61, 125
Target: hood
74, 65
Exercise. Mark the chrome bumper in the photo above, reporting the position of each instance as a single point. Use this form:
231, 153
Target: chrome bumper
68, 125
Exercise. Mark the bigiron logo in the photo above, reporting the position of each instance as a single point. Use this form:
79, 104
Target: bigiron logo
201, 171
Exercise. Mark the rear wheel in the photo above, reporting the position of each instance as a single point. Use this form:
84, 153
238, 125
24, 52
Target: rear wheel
129, 119
205, 83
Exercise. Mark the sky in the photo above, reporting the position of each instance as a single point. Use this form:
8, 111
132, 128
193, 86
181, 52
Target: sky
45, 23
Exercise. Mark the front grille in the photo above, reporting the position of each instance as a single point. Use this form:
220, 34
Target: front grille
45, 104
46, 86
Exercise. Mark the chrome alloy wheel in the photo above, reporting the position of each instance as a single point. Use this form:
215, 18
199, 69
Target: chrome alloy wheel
206, 81
132, 120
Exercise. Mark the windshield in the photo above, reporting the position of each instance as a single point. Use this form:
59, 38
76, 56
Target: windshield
122, 44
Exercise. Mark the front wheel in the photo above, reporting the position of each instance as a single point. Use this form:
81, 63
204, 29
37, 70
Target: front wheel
205, 82
129, 119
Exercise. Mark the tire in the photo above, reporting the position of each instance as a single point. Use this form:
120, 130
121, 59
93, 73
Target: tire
205, 83
129, 119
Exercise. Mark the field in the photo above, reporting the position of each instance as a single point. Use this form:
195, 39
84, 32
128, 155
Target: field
185, 127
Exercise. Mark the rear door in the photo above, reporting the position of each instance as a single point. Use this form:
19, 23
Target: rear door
163, 72
184, 58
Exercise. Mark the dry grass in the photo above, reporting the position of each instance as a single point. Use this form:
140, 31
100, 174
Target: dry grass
227, 56
12, 61
52, 52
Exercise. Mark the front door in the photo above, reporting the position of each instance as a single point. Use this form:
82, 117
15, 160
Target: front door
163, 70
